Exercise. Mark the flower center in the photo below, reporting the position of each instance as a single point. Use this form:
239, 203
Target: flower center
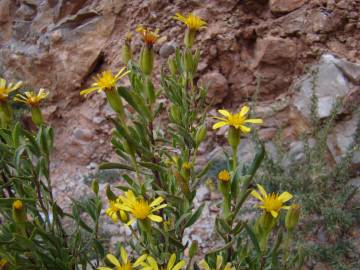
141, 209
106, 81
126, 266
224, 176
272, 203
236, 120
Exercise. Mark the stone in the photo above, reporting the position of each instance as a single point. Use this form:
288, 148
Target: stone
167, 49
322, 266
217, 86
5, 11
342, 139
330, 84
285, 6
274, 50
350, 70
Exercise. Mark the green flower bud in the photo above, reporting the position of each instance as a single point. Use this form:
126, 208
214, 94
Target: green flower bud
193, 248
188, 61
292, 217
200, 135
19, 212
36, 116
115, 102
172, 65
95, 186
5, 114
124, 216
189, 38
181, 181
233, 138
147, 60
126, 54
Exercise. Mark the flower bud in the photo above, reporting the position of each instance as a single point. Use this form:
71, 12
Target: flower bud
124, 216
175, 114
200, 135
292, 217
95, 186
233, 138
126, 54
172, 65
185, 170
5, 114
188, 61
189, 38
193, 248
184, 185
147, 60
19, 212
115, 102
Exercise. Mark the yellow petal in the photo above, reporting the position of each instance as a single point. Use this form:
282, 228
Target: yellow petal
286, 207
256, 195
245, 129
203, 265
219, 261
140, 260
124, 256
131, 221
224, 113
2, 83
103, 268
153, 263
285, 196
254, 121
171, 262
244, 110
262, 190
274, 214
89, 90
155, 218
219, 125
113, 259
157, 201
159, 207
179, 265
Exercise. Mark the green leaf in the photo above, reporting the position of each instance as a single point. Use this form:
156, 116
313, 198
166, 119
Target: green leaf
112, 165
195, 216
253, 239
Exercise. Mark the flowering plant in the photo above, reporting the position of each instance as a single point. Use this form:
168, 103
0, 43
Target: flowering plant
161, 174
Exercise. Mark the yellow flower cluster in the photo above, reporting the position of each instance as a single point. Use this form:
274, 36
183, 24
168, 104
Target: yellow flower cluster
140, 209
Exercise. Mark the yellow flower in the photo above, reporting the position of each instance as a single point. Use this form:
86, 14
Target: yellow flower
219, 261
272, 203
125, 263
224, 176
31, 98
105, 81
5, 90
193, 22
151, 264
186, 166
141, 209
115, 212
149, 37
17, 205
237, 120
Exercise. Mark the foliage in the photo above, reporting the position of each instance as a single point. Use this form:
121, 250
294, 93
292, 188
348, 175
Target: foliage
162, 176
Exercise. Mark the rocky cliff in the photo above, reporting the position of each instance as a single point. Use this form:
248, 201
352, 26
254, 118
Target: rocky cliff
250, 48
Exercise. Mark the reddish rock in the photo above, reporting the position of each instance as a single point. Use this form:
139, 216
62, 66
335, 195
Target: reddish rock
285, 6
217, 86
274, 50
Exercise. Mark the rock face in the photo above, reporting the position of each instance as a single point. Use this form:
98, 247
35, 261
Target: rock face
328, 80
217, 86
285, 6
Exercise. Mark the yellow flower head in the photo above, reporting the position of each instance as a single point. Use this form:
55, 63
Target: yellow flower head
224, 176
141, 209
5, 90
125, 263
151, 264
115, 212
105, 81
31, 98
186, 165
149, 37
219, 261
271, 203
237, 120
192, 21
17, 205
